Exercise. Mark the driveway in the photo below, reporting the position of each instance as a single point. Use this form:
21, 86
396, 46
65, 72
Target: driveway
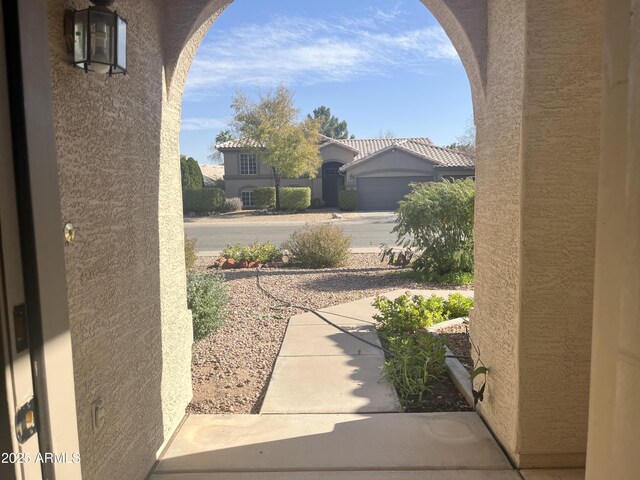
367, 229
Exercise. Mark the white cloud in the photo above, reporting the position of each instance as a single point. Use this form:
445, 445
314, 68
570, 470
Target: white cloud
201, 123
302, 51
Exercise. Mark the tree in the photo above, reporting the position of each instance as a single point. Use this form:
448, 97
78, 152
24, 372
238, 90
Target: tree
331, 126
224, 136
386, 134
276, 137
190, 173
466, 143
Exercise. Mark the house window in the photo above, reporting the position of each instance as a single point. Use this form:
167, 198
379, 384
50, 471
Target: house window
248, 164
247, 198
331, 171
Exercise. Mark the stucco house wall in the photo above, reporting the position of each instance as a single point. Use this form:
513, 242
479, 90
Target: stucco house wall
120, 188
394, 163
335, 153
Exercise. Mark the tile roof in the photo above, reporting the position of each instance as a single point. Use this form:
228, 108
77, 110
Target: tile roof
236, 143
367, 148
421, 147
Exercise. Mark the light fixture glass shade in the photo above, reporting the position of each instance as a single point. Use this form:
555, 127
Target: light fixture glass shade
99, 40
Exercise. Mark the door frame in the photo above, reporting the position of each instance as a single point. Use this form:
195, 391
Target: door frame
338, 178
41, 230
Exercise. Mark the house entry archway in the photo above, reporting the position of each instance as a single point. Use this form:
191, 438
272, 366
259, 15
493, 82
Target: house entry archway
332, 181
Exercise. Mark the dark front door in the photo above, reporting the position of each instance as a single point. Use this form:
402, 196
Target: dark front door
331, 183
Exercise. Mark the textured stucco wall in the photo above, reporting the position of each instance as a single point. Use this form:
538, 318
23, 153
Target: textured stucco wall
333, 153
561, 144
535, 228
393, 163
497, 217
119, 185
615, 373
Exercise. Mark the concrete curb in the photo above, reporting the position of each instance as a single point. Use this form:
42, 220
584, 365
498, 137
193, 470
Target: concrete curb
457, 372
459, 376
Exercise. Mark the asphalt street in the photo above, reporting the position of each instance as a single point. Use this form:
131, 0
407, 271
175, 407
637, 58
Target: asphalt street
366, 234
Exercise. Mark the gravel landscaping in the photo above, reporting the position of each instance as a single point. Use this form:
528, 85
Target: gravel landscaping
231, 367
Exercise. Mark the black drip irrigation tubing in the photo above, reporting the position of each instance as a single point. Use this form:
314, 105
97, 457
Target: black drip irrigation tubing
317, 314
329, 322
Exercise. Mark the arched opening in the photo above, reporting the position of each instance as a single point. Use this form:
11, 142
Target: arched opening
331, 177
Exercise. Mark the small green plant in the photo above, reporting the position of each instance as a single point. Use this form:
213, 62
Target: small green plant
206, 298
408, 314
457, 305
256, 252
318, 246
479, 369
295, 198
189, 252
233, 204
347, 200
264, 198
415, 360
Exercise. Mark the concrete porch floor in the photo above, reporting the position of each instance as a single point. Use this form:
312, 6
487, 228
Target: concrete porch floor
329, 415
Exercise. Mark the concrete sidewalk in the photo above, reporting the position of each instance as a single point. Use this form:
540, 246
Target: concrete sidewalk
329, 415
321, 369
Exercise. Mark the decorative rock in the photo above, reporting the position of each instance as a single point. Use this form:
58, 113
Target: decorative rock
228, 264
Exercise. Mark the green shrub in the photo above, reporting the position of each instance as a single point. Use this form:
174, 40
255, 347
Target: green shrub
256, 252
408, 314
347, 200
435, 220
415, 360
318, 246
295, 198
233, 204
189, 252
318, 203
264, 198
207, 298
209, 199
190, 174
457, 305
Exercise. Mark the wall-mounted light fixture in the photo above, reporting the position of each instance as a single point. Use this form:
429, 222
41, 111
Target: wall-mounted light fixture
97, 37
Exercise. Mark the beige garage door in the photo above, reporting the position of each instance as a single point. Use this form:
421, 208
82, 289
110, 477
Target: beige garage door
384, 193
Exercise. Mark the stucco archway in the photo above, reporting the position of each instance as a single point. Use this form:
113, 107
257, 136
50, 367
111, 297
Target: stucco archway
536, 101
509, 72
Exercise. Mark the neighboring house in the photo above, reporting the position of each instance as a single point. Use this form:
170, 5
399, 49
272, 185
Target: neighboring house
211, 174
380, 169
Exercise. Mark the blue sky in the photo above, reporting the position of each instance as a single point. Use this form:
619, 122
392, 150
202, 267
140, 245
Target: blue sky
377, 64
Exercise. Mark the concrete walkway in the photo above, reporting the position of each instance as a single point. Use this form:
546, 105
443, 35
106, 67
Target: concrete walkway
329, 415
